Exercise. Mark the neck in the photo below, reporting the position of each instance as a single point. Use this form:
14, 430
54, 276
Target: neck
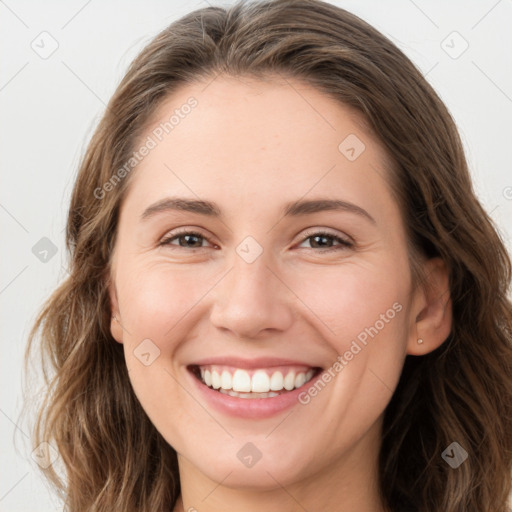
345, 484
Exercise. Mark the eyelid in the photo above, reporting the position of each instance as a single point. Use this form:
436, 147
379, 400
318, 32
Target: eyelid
326, 231
165, 240
343, 240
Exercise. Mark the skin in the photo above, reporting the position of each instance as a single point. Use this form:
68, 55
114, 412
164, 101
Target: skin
251, 146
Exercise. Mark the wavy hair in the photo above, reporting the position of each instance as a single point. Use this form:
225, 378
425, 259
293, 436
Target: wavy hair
112, 455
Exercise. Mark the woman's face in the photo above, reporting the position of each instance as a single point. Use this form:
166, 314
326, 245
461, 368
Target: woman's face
295, 283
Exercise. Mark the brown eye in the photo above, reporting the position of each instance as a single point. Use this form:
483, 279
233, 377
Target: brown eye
186, 239
325, 241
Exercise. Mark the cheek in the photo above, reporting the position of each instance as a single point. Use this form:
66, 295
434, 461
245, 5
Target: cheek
156, 298
361, 312
154, 302
350, 298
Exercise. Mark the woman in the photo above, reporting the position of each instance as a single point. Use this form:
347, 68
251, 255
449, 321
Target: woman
283, 291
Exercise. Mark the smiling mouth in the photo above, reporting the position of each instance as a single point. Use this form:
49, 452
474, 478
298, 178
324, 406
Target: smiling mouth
256, 383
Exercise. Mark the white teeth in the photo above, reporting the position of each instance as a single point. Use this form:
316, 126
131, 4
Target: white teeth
215, 380
300, 379
241, 381
262, 384
289, 381
225, 380
276, 381
248, 395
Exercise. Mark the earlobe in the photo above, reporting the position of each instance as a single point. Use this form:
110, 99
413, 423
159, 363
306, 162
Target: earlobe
116, 329
115, 323
433, 310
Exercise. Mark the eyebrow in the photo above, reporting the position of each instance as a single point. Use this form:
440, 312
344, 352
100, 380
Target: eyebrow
293, 209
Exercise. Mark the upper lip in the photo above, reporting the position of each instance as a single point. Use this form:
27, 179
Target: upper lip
253, 363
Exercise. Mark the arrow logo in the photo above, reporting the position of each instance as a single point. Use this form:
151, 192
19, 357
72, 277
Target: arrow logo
44, 455
454, 455
44, 250
249, 455
146, 352
351, 147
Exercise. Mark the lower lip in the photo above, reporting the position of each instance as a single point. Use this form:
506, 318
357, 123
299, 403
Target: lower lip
251, 408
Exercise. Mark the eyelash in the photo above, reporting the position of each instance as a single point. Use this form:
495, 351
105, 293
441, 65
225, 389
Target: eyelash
344, 244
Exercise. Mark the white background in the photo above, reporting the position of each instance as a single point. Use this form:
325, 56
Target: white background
49, 108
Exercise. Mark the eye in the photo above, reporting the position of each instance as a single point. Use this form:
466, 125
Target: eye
186, 239
320, 240
324, 240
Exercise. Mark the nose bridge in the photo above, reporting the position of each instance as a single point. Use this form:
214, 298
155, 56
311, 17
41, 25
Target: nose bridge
250, 270
251, 298
248, 279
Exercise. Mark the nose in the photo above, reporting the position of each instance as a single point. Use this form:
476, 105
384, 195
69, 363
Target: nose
252, 300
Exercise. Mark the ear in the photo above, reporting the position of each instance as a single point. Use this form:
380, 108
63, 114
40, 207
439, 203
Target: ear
116, 328
432, 310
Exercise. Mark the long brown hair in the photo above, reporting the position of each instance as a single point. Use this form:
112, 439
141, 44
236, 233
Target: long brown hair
114, 458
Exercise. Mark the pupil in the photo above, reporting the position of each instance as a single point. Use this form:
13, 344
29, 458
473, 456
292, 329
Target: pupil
188, 237
321, 237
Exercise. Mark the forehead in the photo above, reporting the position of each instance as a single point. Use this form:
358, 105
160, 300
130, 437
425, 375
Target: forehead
262, 140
